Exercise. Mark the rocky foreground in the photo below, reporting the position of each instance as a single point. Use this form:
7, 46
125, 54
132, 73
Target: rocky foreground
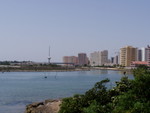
48, 106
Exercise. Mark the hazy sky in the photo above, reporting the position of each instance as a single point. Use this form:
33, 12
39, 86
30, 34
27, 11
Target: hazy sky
28, 27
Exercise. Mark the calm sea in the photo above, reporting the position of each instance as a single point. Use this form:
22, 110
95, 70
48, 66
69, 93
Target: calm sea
17, 89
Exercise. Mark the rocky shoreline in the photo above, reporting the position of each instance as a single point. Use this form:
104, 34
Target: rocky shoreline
48, 106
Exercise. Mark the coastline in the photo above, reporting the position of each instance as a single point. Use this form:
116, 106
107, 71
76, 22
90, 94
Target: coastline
66, 70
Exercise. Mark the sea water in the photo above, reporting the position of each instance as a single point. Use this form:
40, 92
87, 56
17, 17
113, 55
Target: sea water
17, 89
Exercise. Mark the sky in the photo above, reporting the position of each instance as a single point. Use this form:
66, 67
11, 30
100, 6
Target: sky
69, 27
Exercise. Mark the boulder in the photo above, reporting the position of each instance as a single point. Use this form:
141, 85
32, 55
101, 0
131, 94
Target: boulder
48, 106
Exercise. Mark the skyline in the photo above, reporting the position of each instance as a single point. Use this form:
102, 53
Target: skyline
29, 27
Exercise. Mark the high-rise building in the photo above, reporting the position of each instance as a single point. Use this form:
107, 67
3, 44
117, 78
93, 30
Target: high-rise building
139, 57
112, 60
70, 59
99, 58
103, 57
82, 59
147, 54
127, 55
94, 59
116, 60
143, 52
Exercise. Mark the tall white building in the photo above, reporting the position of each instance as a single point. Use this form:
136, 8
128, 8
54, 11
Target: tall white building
144, 54
94, 59
147, 54
116, 60
99, 58
143, 50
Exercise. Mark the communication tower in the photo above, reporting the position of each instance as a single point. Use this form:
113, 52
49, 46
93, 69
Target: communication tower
49, 58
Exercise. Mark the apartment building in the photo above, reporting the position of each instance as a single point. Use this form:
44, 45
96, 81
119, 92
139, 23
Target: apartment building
99, 58
127, 55
144, 54
94, 59
147, 54
70, 59
82, 59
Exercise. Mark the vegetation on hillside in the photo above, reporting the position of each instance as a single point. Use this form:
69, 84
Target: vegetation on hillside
128, 96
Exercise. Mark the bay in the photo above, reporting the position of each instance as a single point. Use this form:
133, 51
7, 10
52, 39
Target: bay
17, 89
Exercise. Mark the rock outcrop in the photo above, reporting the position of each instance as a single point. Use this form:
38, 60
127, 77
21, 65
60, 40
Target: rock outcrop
49, 106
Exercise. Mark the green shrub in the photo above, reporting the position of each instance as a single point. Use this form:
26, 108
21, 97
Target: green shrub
129, 96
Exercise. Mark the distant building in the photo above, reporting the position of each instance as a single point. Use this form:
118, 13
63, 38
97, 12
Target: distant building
103, 57
70, 59
112, 60
143, 50
82, 59
94, 59
99, 58
127, 55
116, 60
144, 54
65, 59
139, 57
138, 63
147, 54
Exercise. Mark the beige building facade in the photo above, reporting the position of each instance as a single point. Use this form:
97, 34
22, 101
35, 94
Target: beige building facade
127, 55
70, 59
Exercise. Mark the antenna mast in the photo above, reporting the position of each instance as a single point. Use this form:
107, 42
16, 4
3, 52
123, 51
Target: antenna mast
49, 58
